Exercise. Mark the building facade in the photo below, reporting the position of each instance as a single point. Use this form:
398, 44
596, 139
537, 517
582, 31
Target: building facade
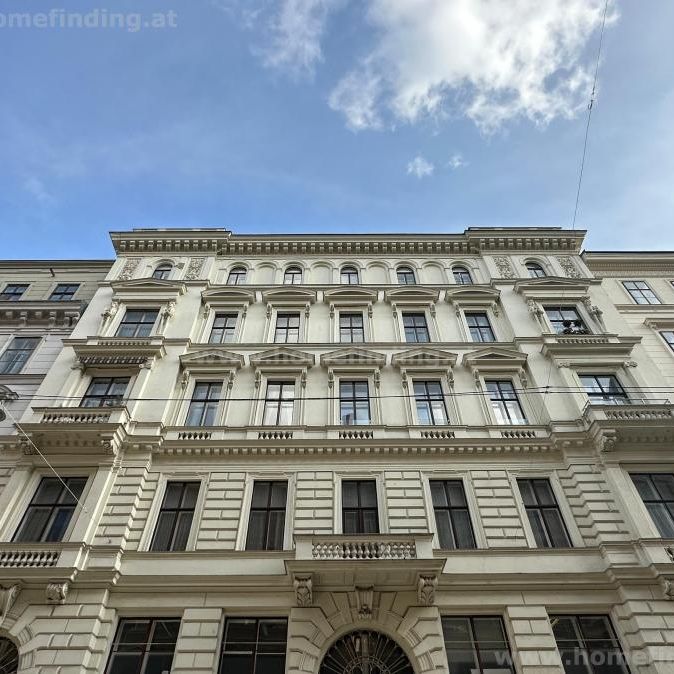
321, 454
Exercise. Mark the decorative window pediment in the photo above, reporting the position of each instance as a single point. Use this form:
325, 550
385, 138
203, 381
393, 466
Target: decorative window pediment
282, 357
473, 294
495, 358
424, 357
551, 287
158, 288
411, 294
227, 295
211, 359
289, 295
350, 294
353, 357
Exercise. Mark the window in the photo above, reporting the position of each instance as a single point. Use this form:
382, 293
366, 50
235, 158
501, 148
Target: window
359, 507
354, 402
504, 402
480, 327
204, 404
476, 645
13, 292
237, 276
351, 328
349, 275
668, 336
105, 392
267, 521
279, 403
604, 389
588, 645
287, 329
641, 292
16, 355
224, 328
657, 493
462, 276
175, 517
416, 329
543, 513
64, 292
162, 271
9, 657
406, 276
430, 402
50, 510
144, 646
254, 646
566, 321
137, 323
535, 270
292, 276
452, 519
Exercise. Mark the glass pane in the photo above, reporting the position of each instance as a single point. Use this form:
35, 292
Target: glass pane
665, 485
350, 494
191, 494
159, 663
463, 530
182, 531
123, 663
370, 522
241, 630
444, 526
165, 633
368, 494
194, 414
163, 531
457, 496
662, 518
33, 525
48, 491
279, 494
538, 528
456, 631
424, 413
544, 492
438, 493
60, 522
350, 522
276, 530
556, 529
173, 494
257, 532
286, 413
75, 489
260, 494
270, 413
270, 664
439, 416
489, 630
134, 632
462, 661
564, 630
644, 487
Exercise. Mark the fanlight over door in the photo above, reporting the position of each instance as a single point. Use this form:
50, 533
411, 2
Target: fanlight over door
366, 652
9, 657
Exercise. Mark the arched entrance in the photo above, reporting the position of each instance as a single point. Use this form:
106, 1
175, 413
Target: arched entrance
9, 657
365, 652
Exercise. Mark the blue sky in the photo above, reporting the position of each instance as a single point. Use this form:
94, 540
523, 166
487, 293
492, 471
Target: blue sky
336, 116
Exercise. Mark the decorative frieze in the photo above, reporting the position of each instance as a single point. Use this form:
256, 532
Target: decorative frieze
129, 268
570, 269
195, 268
504, 267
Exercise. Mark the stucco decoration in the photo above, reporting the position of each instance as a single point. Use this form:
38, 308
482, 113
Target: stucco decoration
303, 590
504, 267
365, 596
426, 589
8, 596
194, 268
56, 593
570, 269
129, 269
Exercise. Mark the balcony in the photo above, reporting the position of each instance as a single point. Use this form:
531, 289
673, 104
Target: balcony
116, 352
364, 548
41, 559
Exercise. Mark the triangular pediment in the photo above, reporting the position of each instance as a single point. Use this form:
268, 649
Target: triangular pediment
495, 356
550, 285
148, 284
353, 356
350, 293
282, 356
411, 294
211, 358
227, 295
289, 293
424, 357
472, 293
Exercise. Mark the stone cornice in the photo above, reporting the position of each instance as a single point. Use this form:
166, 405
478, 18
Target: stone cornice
629, 262
152, 241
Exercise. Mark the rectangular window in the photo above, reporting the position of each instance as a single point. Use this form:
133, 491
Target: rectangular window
351, 327
224, 328
13, 292
137, 323
354, 402
668, 336
144, 646
203, 408
604, 389
287, 329
430, 402
175, 517
452, 518
543, 512
477, 645
359, 507
504, 402
566, 321
480, 327
266, 525
64, 292
657, 492
50, 510
254, 646
16, 355
588, 645
279, 403
416, 329
105, 392
641, 292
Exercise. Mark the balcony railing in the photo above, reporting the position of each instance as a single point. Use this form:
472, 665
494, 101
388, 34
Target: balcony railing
364, 548
629, 409
116, 414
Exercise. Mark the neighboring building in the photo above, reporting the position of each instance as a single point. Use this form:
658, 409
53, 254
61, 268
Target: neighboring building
321, 454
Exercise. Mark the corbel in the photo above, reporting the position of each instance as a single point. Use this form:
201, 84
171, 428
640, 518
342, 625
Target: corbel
244, 309
56, 593
8, 596
403, 376
258, 378
431, 309
303, 378
332, 310
494, 308
230, 381
185, 379
369, 309
377, 378
394, 309
269, 310
304, 594
331, 378
426, 589
206, 310
364, 600
307, 309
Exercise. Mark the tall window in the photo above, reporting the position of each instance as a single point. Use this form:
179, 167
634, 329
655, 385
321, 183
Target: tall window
279, 403
359, 507
430, 402
224, 328
351, 327
668, 336
137, 323
105, 392
267, 521
657, 492
354, 402
588, 645
254, 646
287, 328
50, 510
641, 292
349, 275
13, 292
604, 389
144, 646
175, 517
566, 320
16, 355
406, 276
416, 329
480, 327
543, 513
452, 517
462, 276
162, 271
203, 408
292, 276
535, 270
477, 645
237, 276
64, 292
504, 402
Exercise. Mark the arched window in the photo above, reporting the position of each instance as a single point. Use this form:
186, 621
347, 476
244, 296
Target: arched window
462, 276
9, 657
162, 271
349, 275
292, 276
535, 270
366, 651
406, 276
237, 276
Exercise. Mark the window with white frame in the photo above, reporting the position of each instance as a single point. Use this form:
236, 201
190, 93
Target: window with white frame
223, 329
657, 493
287, 330
292, 275
452, 517
535, 270
237, 276
351, 327
565, 320
415, 327
162, 271
668, 336
360, 514
430, 402
604, 389
16, 355
505, 403
406, 276
267, 518
354, 402
279, 403
349, 275
543, 513
462, 276
176, 514
137, 323
105, 392
641, 292
479, 326
64, 292
203, 409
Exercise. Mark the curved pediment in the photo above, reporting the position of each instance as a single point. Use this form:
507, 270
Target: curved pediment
228, 294
282, 356
411, 294
495, 357
211, 358
472, 293
424, 357
350, 294
353, 356
289, 293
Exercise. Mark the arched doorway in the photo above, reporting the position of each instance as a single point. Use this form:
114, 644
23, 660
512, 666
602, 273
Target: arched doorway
365, 652
9, 657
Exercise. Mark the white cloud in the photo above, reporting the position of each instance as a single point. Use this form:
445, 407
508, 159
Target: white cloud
37, 190
456, 161
420, 167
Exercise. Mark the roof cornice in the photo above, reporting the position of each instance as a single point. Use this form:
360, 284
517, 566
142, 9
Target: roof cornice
629, 261
189, 240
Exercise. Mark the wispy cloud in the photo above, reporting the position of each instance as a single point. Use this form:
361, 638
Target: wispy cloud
456, 161
36, 189
420, 167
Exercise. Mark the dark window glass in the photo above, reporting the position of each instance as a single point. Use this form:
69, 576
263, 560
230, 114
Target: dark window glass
204, 404
359, 507
279, 403
430, 402
266, 524
144, 646
175, 517
105, 392
535, 270
641, 292
452, 518
292, 276
406, 276
13, 292
50, 510
480, 327
351, 328
668, 336
588, 645
162, 271
476, 645
604, 389
566, 321
354, 402
657, 493
543, 513
16, 355
416, 329
137, 323
9, 657
349, 275
254, 646
237, 276
64, 292
287, 329
462, 276
504, 402
224, 328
